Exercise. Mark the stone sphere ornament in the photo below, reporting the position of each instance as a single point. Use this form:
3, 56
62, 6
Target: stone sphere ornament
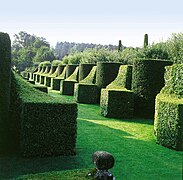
103, 162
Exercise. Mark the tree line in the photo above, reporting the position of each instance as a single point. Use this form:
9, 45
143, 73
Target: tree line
29, 50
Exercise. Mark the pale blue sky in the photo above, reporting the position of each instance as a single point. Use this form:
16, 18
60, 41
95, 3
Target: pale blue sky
93, 21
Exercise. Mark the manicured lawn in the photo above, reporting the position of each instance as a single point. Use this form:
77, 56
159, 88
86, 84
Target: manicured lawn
130, 141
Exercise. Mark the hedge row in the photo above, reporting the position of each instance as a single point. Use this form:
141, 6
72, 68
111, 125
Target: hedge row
117, 103
55, 82
67, 85
106, 73
86, 91
53, 73
5, 64
168, 124
117, 100
123, 79
147, 81
84, 70
43, 125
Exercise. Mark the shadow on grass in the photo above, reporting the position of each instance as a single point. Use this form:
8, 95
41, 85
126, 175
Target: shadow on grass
135, 158
93, 110
130, 141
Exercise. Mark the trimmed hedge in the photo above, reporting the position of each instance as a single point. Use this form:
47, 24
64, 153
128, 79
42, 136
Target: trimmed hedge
168, 124
53, 72
147, 81
43, 66
117, 103
174, 81
44, 125
67, 85
91, 78
45, 73
84, 70
5, 64
37, 72
106, 73
55, 82
70, 68
116, 100
86, 91
123, 79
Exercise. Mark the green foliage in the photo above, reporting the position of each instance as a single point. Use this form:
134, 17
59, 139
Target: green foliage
91, 78
28, 49
44, 54
55, 82
169, 109
174, 81
174, 46
154, 51
84, 70
106, 73
48, 125
123, 79
117, 103
67, 85
147, 81
132, 143
86, 93
5, 64
116, 100
168, 123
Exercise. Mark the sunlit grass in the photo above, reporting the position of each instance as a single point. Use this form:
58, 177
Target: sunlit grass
131, 141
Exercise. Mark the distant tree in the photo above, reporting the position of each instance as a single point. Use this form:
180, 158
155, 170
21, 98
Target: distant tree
44, 54
120, 46
145, 40
26, 49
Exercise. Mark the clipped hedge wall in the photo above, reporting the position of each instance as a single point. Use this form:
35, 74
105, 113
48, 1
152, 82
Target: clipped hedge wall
45, 73
53, 73
67, 85
117, 103
174, 81
91, 78
106, 73
116, 100
84, 70
55, 82
45, 126
168, 124
70, 68
147, 81
5, 64
123, 79
86, 91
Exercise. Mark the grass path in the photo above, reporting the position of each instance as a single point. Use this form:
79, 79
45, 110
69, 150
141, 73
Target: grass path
130, 141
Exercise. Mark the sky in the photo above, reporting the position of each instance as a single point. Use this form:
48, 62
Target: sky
93, 21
